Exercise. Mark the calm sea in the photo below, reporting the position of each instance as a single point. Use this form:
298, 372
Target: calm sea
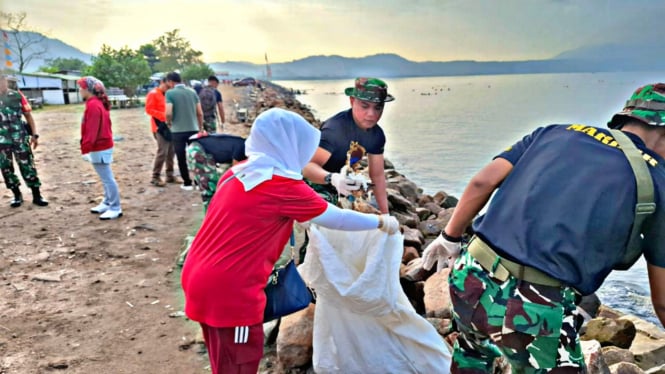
441, 130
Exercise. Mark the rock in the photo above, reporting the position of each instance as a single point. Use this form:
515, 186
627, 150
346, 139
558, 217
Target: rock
58, 364
648, 353
415, 292
55, 276
387, 164
423, 213
590, 304
41, 256
437, 297
442, 325
407, 219
449, 202
409, 190
439, 197
614, 355
656, 370
424, 199
445, 215
294, 342
606, 331
625, 368
593, 357
399, 202
410, 253
645, 327
433, 207
607, 312
414, 271
413, 238
431, 228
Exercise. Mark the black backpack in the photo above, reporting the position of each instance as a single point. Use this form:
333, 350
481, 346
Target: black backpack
208, 102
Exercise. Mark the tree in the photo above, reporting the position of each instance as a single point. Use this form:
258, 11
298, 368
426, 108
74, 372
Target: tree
150, 54
58, 64
124, 68
175, 52
196, 71
26, 45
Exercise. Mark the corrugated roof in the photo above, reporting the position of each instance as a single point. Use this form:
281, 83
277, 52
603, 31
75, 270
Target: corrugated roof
57, 76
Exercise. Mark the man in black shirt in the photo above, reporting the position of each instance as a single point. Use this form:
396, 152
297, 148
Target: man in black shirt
356, 128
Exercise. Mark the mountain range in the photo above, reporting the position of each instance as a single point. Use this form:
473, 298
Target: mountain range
596, 58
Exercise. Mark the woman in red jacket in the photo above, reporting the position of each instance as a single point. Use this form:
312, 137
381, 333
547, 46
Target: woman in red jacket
97, 143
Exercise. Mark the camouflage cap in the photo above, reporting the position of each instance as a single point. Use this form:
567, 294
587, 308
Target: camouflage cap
647, 104
370, 89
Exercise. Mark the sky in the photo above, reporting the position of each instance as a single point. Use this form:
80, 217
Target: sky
286, 30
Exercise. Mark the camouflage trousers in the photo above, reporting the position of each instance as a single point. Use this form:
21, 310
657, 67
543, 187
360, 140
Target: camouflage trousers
532, 326
205, 171
210, 126
25, 161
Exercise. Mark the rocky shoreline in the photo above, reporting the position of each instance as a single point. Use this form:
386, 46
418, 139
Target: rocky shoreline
612, 342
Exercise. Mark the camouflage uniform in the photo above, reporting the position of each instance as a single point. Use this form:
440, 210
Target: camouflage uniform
204, 168
533, 326
14, 141
210, 126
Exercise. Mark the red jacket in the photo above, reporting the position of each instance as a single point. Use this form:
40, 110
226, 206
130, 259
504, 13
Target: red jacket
155, 107
96, 134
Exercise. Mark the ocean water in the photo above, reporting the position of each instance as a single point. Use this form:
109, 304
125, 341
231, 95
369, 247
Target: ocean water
441, 130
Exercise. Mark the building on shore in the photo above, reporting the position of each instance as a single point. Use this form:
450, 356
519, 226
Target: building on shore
53, 89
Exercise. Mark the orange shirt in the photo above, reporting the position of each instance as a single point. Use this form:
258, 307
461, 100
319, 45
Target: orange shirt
155, 107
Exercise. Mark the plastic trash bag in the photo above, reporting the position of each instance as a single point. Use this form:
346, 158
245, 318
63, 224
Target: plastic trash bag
364, 323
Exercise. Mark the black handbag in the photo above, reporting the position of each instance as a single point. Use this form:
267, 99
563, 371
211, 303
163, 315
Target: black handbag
286, 291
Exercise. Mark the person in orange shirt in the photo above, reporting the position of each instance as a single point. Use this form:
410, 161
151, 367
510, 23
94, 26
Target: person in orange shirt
155, 107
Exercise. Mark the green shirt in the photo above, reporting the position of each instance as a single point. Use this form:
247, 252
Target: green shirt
184, 102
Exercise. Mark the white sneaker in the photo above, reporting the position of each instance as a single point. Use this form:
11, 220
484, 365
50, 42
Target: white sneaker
101, 208
111, 214
186, 188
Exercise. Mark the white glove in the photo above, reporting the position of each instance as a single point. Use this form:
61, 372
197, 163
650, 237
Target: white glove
343, 185
390, 224
86, 157
443, 252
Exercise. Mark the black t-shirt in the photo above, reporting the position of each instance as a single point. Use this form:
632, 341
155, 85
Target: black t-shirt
339, 131
223, 148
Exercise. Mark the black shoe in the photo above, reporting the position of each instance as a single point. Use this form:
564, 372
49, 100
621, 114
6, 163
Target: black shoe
37, 198
18, 198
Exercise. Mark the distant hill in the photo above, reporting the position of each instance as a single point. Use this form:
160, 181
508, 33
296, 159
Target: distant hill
645, 56
54, 48
603, 58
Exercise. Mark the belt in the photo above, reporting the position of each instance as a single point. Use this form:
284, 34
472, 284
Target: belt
501, 269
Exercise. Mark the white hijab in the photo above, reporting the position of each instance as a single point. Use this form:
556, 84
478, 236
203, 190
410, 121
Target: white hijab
280, 143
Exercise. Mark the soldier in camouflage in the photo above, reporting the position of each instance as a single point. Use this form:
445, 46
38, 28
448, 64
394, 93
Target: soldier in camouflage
16, 141
205, 153
564, 201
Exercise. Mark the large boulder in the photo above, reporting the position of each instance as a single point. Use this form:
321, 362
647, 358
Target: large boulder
406, 219
399, 202
615, 355
649, 343
437, 296
593, 356
414, 271
423, 213
413, 238
410, 253
434, 208
607, 331
294, 342
431, 227
625, 368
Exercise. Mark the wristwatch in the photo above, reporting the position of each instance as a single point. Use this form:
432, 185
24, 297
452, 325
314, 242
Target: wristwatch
36, 136
327, 179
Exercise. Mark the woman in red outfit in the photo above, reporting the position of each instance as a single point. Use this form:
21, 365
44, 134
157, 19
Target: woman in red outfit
249, 221
97, 143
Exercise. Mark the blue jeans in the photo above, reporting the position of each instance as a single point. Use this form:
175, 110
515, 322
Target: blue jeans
111, 192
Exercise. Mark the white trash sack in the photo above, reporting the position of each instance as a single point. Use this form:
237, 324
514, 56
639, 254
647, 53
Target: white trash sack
364, 322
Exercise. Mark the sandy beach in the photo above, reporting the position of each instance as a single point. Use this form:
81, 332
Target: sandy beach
85, 296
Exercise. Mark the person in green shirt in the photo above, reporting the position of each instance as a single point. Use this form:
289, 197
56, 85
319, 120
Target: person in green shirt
184, 117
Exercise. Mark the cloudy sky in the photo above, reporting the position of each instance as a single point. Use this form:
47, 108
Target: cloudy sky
419, 30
